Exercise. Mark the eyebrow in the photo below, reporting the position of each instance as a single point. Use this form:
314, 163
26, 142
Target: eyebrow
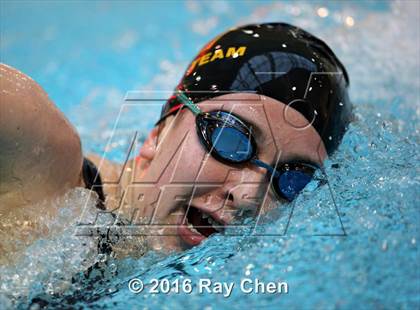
293, 157
258, 133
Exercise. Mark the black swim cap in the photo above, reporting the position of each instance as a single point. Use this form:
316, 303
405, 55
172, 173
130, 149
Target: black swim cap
277, 60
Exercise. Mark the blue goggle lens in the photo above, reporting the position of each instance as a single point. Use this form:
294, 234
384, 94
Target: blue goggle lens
231, 144
291, 182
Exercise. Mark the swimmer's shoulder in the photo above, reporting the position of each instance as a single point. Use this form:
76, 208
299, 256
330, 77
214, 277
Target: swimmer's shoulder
40, 153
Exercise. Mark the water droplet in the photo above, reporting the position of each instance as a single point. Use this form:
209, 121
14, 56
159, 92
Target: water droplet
349, 21
102, 258
250, 266
384, 245
112, 289
322, 12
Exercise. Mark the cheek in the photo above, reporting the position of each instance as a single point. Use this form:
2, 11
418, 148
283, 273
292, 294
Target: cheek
183, 159
307, 144
270, 203
189, 160
196, 165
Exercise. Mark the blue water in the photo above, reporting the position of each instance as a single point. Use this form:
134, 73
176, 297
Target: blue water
350, 245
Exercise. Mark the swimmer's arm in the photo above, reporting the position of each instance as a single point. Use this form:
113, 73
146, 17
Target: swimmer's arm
40, 153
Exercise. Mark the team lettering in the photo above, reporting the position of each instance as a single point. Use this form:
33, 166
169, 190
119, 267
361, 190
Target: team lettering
232, 52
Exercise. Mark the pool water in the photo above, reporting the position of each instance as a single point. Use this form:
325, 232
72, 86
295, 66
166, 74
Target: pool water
350, 245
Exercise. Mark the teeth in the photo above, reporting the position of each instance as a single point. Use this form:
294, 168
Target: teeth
216, 225
191, 227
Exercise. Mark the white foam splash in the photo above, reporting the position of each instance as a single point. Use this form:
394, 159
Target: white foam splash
46, 253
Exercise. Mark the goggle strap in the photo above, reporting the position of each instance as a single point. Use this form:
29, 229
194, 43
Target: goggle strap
189, 104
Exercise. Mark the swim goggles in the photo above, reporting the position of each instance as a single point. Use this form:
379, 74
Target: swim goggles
229, 140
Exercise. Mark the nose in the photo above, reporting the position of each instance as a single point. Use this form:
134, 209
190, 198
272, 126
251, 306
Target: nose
246, 189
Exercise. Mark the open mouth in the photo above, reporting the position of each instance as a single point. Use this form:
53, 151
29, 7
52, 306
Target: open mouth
198, 225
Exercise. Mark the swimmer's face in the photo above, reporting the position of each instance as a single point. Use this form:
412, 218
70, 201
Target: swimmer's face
184, 174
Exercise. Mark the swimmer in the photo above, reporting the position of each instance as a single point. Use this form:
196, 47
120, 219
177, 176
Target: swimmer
256, 113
